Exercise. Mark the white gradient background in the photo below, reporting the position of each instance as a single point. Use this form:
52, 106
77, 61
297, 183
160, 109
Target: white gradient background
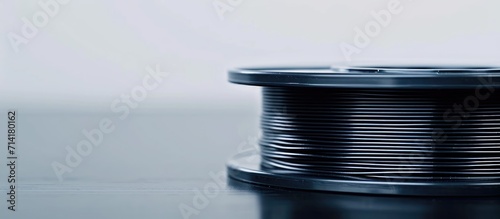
65, 79
93, 51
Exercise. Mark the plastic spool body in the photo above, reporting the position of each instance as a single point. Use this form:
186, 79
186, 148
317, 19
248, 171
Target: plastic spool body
443, 81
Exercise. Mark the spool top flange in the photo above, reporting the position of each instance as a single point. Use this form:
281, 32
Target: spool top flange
404, 77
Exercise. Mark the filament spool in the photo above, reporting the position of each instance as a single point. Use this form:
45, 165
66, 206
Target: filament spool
379, 130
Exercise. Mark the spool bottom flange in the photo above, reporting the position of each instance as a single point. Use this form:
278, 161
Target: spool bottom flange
247, 168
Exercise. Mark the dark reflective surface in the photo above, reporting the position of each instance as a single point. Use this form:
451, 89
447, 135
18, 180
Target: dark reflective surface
153, 163
276, 203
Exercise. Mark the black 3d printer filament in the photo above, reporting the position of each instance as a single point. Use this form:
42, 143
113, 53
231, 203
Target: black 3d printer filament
376, 130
